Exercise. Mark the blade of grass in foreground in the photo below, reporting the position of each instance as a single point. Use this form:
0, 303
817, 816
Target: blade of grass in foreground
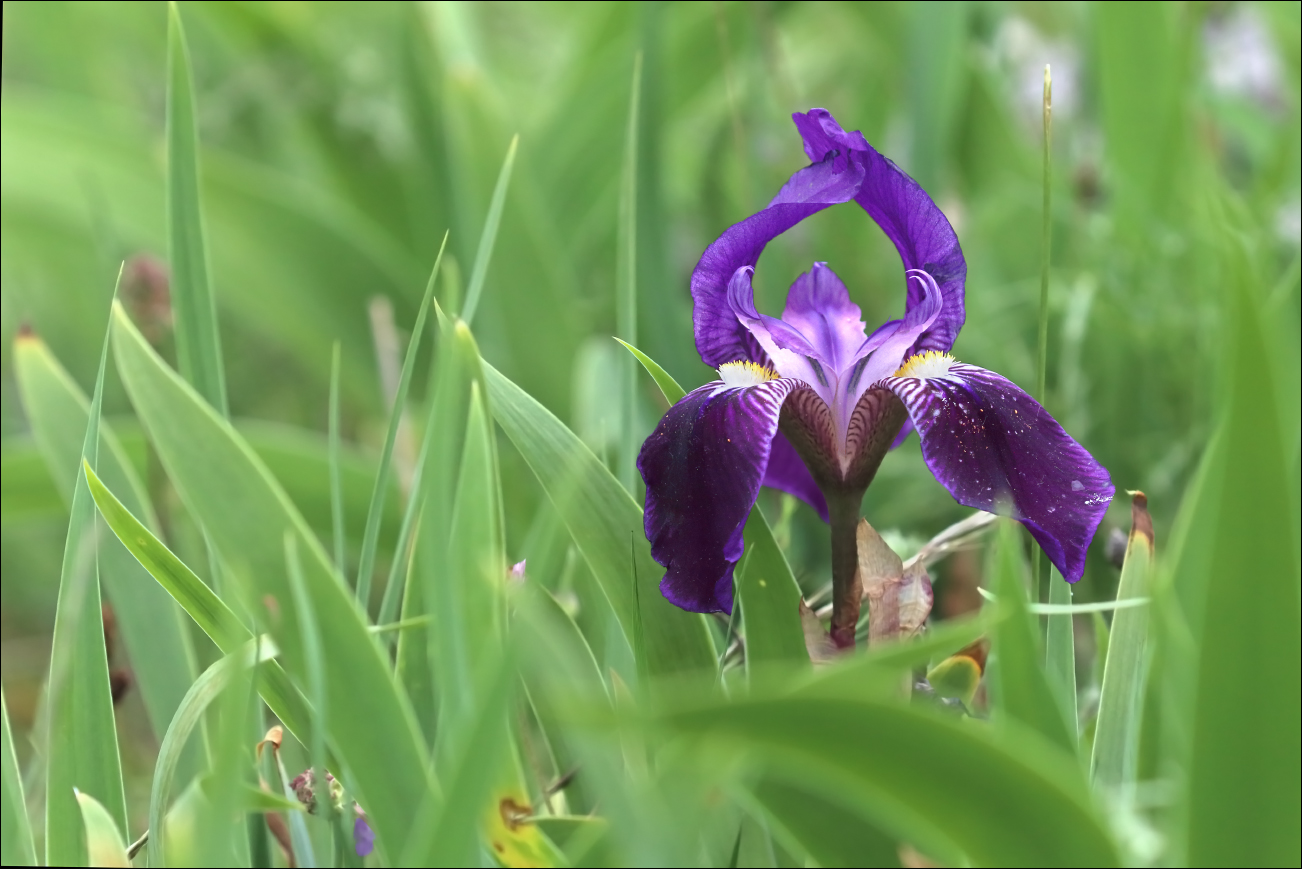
211, 683
484, 254
336, 477
914, 774
209, 612
626, 280
82, 738
371, 536
245, 511
769, 598
1244, 798
15, 827
1060, 649
104, 843
148, 621
1116, 729
198, 344
1022, 690
602, 518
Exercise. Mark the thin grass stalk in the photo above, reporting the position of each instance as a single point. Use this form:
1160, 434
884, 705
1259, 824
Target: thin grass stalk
626, 279
336, 479
484, 255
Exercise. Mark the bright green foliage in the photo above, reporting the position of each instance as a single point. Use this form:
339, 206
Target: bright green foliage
198, 344
78, 699
15, 828
1116, 731
148, 621
104, 843
1021, 686
295, 161
246, 515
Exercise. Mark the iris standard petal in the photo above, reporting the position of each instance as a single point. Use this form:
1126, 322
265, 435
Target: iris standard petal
787, 351
719, 337
787, 473
921, 233
995, 448
703, 466
819, 307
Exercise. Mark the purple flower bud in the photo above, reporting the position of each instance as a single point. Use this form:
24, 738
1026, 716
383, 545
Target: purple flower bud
363, 837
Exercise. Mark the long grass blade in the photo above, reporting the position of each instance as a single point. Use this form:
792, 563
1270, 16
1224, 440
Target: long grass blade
313, 657
337, 525
1060, 649
626, 278
148, 621
210, 684
1021, 687
208, 611
82, 737
1116, 733
484, 254
371, 536
198, 342
228, 489
15, 827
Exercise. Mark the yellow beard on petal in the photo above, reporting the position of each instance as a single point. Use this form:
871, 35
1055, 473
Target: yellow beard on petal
933, 363
743, 373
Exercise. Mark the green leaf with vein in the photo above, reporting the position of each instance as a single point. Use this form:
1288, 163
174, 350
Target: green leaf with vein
210, 684
82, 729
603, 520
1060, 649
149, 623
371, 536
245, 514
769, 598
15, 827
104, 843
1117, 726
955, 791
198, 343
1021, 687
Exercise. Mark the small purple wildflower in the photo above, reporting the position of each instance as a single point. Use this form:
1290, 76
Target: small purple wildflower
363, 837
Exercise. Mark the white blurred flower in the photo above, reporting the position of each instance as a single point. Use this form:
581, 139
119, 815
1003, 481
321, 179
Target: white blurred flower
1288, 222
1023, 51
1241, 57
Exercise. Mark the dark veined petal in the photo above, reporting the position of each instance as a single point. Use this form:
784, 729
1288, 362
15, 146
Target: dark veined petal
787, 473
995, 448
720, 338
703, 466
908, 216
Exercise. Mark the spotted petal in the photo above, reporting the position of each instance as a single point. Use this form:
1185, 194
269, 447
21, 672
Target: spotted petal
703, 466
908, 216
995, 448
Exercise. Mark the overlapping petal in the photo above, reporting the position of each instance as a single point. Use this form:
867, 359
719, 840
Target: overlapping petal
995, 448
913, 222
720, 337
703, 466
787, 473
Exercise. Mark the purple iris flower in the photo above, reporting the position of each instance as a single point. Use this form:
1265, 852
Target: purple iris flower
363, 837
810, 403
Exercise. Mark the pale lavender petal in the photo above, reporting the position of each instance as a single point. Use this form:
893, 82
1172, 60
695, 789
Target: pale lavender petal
787, 473
819, 307
994, 448
720, 338
788, 351
703, 466
908, 216
363, 837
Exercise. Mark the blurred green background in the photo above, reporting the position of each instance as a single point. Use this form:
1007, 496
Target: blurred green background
341, 140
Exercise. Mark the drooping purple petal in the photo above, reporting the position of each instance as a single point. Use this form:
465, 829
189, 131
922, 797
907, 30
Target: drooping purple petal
703, 466
995, 448
363, 837
787, 473
720, 337
920, 231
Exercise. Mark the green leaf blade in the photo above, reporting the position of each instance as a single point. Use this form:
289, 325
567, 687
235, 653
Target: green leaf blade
15, 826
